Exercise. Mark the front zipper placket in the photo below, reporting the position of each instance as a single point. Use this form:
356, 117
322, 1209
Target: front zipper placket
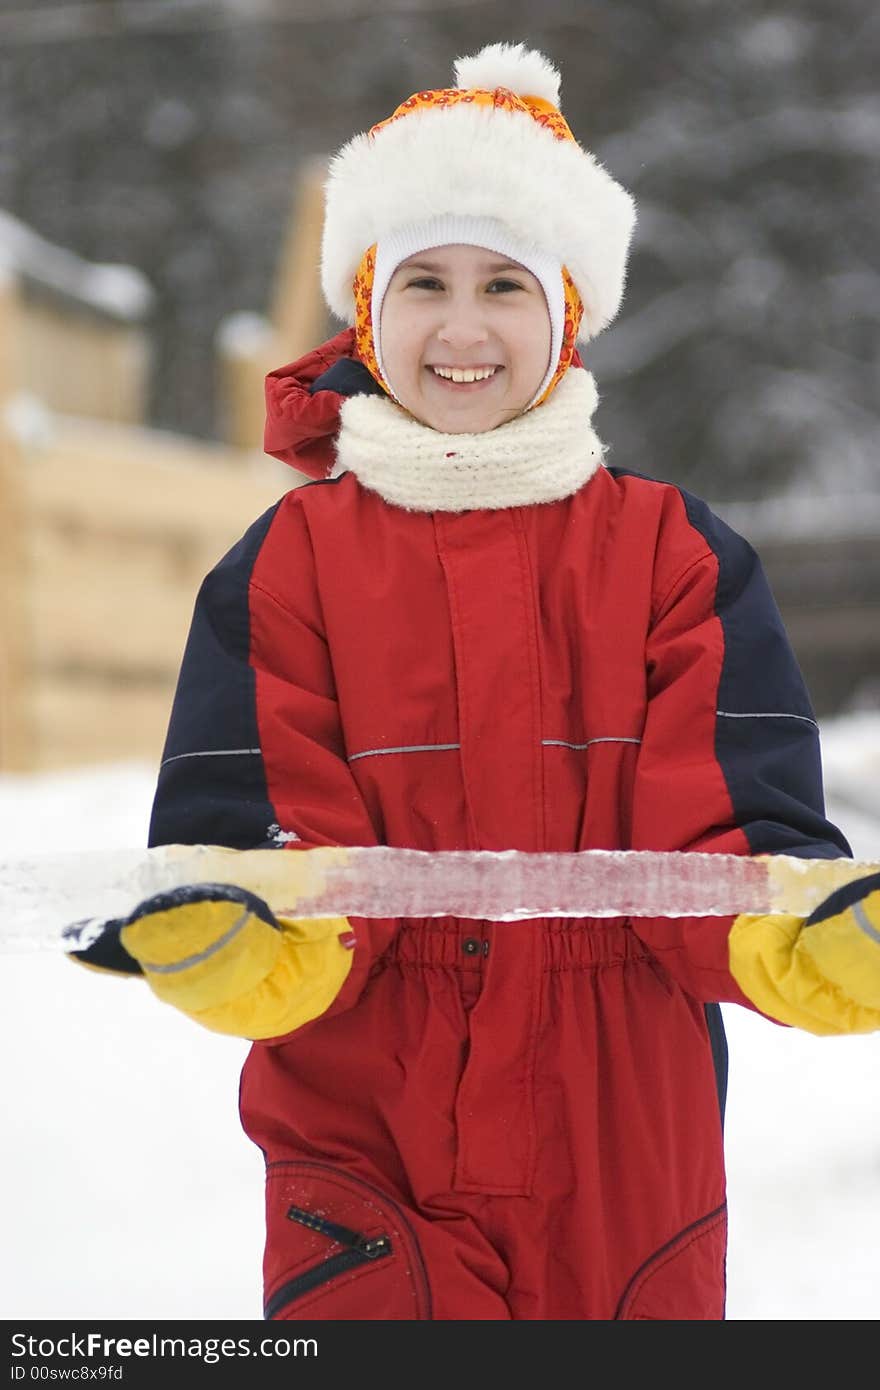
359, 1249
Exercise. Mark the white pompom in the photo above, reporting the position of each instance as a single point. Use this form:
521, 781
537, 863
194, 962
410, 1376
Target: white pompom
521, 70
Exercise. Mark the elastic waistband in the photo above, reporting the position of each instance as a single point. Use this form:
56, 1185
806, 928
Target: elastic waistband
568, 944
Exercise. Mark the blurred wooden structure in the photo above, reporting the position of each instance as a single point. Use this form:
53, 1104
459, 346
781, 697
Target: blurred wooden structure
106, 526
249, 346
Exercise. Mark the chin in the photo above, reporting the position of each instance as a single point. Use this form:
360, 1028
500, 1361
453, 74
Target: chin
459, 423
464, 427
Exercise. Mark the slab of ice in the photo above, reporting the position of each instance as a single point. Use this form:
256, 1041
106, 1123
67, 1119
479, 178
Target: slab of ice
43, 894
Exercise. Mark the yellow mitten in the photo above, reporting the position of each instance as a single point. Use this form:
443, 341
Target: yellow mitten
221, 956
820, 973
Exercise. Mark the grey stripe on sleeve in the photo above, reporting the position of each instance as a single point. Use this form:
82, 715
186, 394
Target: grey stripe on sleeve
765, 714
214, 753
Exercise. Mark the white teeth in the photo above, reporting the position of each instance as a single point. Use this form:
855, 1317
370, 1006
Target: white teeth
464, 373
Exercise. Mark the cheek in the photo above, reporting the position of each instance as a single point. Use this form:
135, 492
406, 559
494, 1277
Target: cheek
542, 342
398, 371
534, 359
399, 339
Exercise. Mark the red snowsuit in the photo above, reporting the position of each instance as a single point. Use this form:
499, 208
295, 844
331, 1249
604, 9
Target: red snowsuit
512, 1119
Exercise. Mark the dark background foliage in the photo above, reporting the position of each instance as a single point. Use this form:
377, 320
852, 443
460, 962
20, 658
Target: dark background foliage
167, 134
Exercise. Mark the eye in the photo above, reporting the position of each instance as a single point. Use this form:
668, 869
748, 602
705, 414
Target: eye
502, 286
424, 282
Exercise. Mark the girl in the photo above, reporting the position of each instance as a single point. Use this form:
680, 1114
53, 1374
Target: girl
469, 633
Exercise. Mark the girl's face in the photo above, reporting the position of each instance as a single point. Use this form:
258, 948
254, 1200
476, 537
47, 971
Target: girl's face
465, 338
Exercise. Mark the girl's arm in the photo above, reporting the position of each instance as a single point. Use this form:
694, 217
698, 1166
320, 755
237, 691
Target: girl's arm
729, 762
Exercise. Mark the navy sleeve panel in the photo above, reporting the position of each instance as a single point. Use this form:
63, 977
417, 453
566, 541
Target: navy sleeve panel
766, 734
212, 785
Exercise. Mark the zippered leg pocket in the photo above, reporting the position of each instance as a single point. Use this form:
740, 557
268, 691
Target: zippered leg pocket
685, 1279
338, 1248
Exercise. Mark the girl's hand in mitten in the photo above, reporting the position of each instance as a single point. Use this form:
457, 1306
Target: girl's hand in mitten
221, 956
820, 973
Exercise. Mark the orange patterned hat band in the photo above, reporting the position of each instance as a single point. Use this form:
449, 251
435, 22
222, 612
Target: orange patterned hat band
501, 99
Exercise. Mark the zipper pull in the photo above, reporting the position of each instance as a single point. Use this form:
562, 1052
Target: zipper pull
374, 1246
371, 1247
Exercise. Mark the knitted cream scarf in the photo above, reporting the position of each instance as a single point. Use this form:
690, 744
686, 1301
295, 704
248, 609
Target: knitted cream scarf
545, 454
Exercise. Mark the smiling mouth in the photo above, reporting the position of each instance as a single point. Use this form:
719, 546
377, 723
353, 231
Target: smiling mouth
464, 376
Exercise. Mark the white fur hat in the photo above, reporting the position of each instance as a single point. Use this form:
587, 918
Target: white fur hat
495, 146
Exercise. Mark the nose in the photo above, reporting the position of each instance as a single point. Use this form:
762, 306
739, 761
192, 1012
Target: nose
463, 327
